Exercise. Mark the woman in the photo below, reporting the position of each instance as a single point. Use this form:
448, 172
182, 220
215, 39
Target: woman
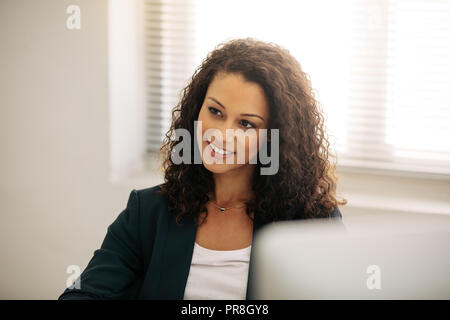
191, 237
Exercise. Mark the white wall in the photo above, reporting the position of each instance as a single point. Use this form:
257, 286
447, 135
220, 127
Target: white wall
56, 198
126, 87
378, 191
70, 128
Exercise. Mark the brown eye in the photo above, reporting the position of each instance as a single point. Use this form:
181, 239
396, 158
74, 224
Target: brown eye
214, 111
246, 124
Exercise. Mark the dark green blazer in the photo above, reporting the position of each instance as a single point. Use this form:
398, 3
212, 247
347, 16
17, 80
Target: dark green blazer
144, 254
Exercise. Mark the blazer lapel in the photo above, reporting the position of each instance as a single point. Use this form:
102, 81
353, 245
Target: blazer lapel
177, 257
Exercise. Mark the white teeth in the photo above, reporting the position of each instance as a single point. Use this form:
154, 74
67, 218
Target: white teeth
216, 149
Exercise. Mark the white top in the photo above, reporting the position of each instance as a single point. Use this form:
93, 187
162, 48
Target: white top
218, 274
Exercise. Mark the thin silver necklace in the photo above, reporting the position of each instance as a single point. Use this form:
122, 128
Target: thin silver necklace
223, 209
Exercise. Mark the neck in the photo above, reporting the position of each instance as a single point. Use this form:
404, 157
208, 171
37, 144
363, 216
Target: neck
233, 187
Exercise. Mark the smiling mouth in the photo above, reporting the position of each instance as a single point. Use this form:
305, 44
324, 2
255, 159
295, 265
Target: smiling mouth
219, 150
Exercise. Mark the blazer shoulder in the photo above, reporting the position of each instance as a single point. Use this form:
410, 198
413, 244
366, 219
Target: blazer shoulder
151, 201
336, 213
152, 193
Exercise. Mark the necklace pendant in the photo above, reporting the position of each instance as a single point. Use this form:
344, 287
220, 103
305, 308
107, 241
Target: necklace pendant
222, 209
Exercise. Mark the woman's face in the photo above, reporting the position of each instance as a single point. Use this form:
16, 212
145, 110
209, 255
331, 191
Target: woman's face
231, 103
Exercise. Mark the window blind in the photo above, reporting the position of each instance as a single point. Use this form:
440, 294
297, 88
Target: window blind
399, 86
169, 51
380, 68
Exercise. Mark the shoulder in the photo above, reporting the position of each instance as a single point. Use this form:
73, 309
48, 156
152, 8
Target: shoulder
146, 207
336, 213
151, 196
152, 217
151, 201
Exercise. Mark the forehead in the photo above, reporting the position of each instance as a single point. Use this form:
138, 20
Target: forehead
237, 94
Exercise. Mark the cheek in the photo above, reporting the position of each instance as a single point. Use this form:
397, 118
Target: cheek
249, 146
252, 146
202, 126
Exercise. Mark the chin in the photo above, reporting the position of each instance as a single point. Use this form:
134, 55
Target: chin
220, 168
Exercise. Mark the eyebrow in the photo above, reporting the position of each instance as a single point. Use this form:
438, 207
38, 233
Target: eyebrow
242, 114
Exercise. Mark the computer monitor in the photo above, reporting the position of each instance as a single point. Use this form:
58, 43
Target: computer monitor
378, 256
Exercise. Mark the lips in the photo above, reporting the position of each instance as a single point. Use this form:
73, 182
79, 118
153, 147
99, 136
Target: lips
220, 151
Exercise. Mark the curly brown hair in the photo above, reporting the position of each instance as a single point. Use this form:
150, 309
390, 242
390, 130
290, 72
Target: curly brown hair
305, 184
